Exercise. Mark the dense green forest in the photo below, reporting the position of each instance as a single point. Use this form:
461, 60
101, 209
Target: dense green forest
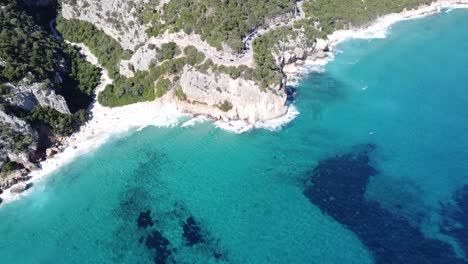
216, 21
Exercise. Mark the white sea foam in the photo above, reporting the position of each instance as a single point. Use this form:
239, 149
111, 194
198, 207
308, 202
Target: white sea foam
278, 123
235, 126
240, 126
195, 120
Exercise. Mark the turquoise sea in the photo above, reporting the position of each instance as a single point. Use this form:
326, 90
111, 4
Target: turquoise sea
373, 170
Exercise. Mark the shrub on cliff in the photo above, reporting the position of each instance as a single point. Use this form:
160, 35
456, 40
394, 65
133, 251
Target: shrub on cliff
194, 56
180, 94
225, 106
162, 87
167, 51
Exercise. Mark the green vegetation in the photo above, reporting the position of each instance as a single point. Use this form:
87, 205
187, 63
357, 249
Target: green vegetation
106, 49
168, 51
30, 54
86, 74
162, 87
7, 168
20, 141
338, 14
80, 82
194, 56
25, 47
180, 94
216, 21
61, 124
225, 106
129, 90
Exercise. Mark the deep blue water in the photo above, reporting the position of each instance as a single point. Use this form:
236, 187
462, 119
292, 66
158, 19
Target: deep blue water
374, 170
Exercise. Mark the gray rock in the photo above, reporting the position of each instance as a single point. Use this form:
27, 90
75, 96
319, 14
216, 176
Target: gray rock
27, 96
19, 187
15, 127
248, 101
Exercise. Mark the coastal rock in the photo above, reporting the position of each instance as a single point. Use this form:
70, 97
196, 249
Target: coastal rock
17, 140
207, 91
321, 44
19, 188
292, 49
23, 159
50, 152
13, 178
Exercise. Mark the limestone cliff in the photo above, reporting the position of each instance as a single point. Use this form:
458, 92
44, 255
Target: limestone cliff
242, 99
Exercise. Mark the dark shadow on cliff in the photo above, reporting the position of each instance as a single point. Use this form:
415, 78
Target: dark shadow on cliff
337, 186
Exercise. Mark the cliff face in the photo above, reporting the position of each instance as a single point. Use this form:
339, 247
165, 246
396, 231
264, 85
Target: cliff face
28, 96
221, 97
117, 18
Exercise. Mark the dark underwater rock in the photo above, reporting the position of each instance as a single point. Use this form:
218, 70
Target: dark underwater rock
144, 219
192, 232
337, 186
160, 244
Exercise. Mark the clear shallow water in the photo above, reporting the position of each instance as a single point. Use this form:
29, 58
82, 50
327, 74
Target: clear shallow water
372, 170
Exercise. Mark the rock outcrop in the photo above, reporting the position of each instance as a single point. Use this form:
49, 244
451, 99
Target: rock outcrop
27, 96
292, 49
242, 99
17, 140
19, 187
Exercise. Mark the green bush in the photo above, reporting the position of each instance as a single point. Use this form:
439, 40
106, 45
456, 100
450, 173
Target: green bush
225, 106
167, 51
180, 94
7, 168
162, 87
193, 56
59, 123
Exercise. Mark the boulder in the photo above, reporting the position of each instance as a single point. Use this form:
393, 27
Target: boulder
51, 151
19, 188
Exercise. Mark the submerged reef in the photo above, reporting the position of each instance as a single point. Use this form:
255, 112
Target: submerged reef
192, 232
337, 185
